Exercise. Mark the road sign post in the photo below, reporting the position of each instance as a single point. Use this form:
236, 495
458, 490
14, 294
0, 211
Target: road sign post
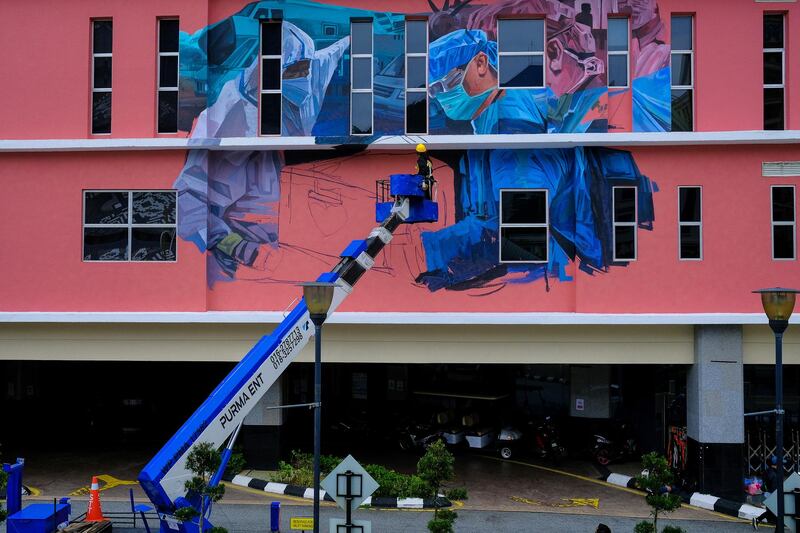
349, 485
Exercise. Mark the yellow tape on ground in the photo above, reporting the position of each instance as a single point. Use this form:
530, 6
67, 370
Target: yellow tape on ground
109, 482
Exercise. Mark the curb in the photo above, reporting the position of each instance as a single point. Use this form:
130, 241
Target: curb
308, 494
696, 499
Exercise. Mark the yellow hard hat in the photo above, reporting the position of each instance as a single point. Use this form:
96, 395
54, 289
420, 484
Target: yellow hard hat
421, 148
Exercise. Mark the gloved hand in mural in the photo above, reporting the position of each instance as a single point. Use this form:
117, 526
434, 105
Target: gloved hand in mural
462, 69
578, 181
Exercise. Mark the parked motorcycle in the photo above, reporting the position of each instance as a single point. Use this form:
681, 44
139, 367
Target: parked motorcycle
605, 450
417, 437
547, 442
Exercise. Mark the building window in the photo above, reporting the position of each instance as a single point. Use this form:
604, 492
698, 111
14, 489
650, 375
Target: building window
690, 223
524, 223
129, 225
102, 37
682, 29
773, 72
168, 76
270, 107
520, 47
625, 211
618, 39
361, 78
784, 233
416, 76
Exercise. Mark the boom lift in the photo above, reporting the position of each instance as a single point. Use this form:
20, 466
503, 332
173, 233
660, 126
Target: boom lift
403, 199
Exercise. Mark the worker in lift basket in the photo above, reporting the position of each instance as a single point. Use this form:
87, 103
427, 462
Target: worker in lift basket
425, 169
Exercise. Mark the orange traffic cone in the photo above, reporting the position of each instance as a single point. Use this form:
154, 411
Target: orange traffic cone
95, 512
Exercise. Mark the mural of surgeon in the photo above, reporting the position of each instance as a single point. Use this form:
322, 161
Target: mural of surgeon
228, 200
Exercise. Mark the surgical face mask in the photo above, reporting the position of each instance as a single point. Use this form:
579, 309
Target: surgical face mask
457, 104
297, 90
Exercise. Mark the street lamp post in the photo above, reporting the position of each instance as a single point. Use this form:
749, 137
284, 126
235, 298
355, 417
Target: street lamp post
778, 305
318, 296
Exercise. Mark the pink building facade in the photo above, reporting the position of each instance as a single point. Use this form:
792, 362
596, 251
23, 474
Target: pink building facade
613, 179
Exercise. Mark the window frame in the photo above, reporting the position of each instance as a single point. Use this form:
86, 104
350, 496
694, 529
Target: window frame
626, 53
690, 53
261, 90
130, 226
782, 85
634, 224
500, 53
405, 82
94, 89
159, 88
545, 225
773, 223
371, 90
698, 224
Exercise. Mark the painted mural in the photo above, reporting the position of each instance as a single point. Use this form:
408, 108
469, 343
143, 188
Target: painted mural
230, 202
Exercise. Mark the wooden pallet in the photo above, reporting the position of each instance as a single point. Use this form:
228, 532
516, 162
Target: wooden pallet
88, 527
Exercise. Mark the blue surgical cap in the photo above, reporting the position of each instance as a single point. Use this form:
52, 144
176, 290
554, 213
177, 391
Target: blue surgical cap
458, 48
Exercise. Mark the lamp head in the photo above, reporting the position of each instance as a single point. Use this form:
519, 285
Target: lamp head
778, 302
318, 296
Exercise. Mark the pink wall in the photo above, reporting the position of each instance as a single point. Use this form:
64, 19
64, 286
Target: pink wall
41, 232
47, 76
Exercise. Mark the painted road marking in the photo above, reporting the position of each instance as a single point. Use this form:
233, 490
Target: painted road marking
109, 483
568, 502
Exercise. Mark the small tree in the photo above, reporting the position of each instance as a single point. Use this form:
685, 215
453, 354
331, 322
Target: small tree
435, 467
203, 461
655, 479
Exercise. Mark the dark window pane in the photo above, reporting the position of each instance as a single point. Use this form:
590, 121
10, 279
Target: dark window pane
271, 114
681, 69
773, 31
682, 117
362, 73
153, 244
624, 204
416, 73
271, 39
681, 29
617, 35
773, 109
101, 112
154, 207
102, 73
521, 35
521, 71
689, 210
106, 207
417, 36
361, 113
167, 111
690, 242
168, 71
417, 112
773, 68
524, 207
168, 36
361, 38
105, 244
625, 242
783, 242
783, 204
271, 74
523, 244
618, 71
102, 37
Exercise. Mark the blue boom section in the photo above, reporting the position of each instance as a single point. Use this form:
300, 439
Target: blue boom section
152, 474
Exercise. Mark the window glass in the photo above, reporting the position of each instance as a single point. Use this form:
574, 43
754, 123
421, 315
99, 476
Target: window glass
521, 71
521, 35
361, 38
773, 109
417, 73
102, 36
167, 111
523, 244
624, 204
773, 68
689, 204
270, 113
783, 242
617, 35
618, 70
417, 36
106, 208
524, 207
168, 35
271, 74
362, 72
105, 244
625, 242
154, 207
681, 31
271, 39
682, 116
783, 204
773, 31
102, 73
362, 113
416, 112
168, 71
681, 69
690, 242
101, 112
153, 244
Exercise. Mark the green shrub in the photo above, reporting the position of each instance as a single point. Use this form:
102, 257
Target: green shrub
236, 464
644, 527
456, 493
673, 529
443, 523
